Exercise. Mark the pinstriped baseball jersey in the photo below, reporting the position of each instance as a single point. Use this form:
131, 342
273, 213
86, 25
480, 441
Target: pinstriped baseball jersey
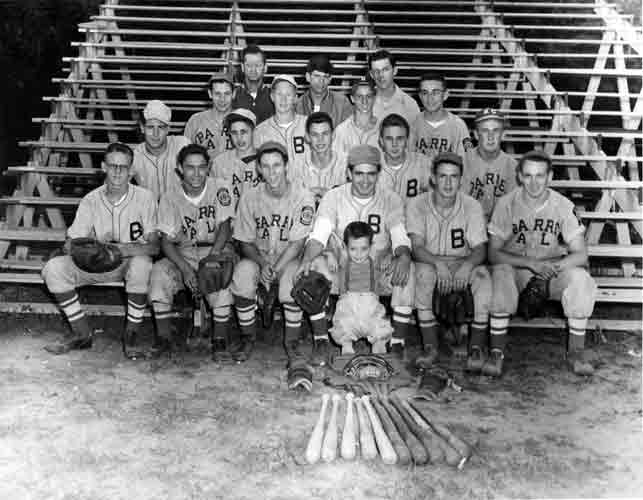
291, 137
157, 173
317, 180
191, 222
206, 129
451, 235
486, 181
348, 135
240, 173
535, 233
124, 222
450, 135
410, 179
272, 223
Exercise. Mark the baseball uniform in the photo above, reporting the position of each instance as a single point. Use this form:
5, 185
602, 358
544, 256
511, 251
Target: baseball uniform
450, 134
408, 179
399, 103
206, 129
240, 173
292, 137
349, 135
319, 180
158, 173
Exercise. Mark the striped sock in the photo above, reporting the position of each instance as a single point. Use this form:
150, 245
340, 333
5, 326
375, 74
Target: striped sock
478, 334
136, 303
70, 305
498, 327
576, 338
428, 327
319, 326
163, 316
221, 316
246, 309
292, 317
401, 320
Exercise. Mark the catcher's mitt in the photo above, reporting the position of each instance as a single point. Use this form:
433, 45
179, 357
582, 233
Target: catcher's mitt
311, 292
532, 299
215, 272
454, 308
93, 256
371, 366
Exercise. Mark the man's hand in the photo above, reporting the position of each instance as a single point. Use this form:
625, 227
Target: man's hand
444, 277
331, 262
190, 279
547, 269
303, 269
268, 274
400, 267
462, 275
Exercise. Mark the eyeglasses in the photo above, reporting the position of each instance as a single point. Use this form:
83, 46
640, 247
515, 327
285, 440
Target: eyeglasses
432, 92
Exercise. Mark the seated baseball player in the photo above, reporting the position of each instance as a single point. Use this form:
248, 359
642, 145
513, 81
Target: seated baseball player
123, 215
319, 97
362, 126
154, 165
535, 232
364, 200
449, 236
238, 166
489, 172
273, 221
194, 223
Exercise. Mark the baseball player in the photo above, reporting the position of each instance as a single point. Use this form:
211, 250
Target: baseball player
154, 165
437, 130
193, 223
206, 128
117, 212
238, 166
364, 200
319, 97
273, 221
285, 126
361, 127
534, 230
449, 236
407, 173
253, 94
489, 172
390, 98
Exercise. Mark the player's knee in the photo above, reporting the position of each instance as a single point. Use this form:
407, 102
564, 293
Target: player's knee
504, 293
286, 281
245, 278
58, 274
579, 295
137, 276
424, 285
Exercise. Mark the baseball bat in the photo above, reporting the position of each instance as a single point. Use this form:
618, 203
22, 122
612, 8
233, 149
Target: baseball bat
451, 455
387, 452
366, 439
329, 446
349, 443
418, 452
403, 453
313, 450
436, 454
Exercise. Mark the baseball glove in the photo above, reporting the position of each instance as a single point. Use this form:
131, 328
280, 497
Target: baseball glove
93, 256
454, 308
300, 376
311, 292
215, 272
368, 366
532, 299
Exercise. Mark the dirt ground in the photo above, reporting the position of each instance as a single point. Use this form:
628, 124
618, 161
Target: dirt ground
91, 425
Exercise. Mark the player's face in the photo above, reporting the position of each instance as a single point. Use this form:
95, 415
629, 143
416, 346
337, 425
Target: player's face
363, 180
534, 177
155, 133
363, 99
320, 137
254, 67
318, 81
273, 170
117, 169
447, 180
241, 135
221, 95
195, 171
358, 249
489, 135
283, 95
432, 94
383, 73
393, 141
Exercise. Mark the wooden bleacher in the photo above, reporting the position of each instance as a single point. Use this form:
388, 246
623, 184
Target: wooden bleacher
567, 74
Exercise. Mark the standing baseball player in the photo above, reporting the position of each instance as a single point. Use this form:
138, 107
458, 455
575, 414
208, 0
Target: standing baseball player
238, 166
193, 224
364, 200
206, 128
154, 165
253, 94
285, 126
437, 130
361, 127
449, 236
273, 221
319, 97
534, 231
390, 98
489, 172
405, 172
124, 215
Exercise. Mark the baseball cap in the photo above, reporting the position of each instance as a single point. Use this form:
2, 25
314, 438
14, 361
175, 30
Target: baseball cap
272, 146
157, 110
285, 78
364, 154
448, 157
221, 76
240, 114
488, 114
320, 62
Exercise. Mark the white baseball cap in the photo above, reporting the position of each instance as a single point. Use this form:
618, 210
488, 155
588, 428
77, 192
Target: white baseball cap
285, 78
156, 109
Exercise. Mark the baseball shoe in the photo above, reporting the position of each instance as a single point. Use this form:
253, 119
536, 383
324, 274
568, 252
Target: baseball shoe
129, 344
321, 351
220, 352
294, 352
492, 367
476, 359
428, 357
244, 349
579, 363
161, 345
71, 344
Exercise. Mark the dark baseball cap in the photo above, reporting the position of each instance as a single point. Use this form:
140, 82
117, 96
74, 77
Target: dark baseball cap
448, 157
320, 62
221, 76
272, 147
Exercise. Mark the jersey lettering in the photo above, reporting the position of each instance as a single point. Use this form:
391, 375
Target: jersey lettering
298, 144
412, 188
457, 238
135, 231
374, 221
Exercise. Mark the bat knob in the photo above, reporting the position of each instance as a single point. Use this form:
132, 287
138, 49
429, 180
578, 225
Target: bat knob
350, 396
336, 397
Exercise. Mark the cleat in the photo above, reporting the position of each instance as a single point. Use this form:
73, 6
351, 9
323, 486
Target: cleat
220, 352
492, 367
476, 359
579, 363
244, 349
321, 350
73, 344
428, 357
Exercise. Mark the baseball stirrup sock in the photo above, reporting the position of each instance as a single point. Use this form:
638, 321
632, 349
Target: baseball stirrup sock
428, 327
70, 305
498, 327
163, 315
221, 316
292, 319
401, 322
136, 303
319, 325
478, 334
576, 338
246, 309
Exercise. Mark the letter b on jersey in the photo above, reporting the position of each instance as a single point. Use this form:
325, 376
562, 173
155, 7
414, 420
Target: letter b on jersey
457, 238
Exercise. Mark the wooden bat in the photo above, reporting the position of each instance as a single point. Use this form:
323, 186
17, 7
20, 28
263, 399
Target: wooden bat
451, 455
313, 450
349, 435
366, 439
403, 453
432, 446
415, 446
329, 446
387, 452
